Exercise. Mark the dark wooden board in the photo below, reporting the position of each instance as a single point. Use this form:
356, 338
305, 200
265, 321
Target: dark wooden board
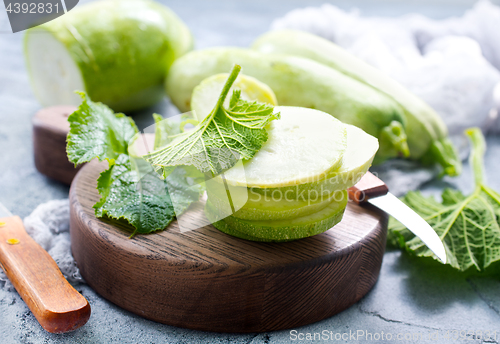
50, 128
207, 280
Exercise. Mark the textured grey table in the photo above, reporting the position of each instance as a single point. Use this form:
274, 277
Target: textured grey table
412, 301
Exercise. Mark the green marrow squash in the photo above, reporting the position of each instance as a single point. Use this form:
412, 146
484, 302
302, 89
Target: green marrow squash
118, 52
300, 82
426, 132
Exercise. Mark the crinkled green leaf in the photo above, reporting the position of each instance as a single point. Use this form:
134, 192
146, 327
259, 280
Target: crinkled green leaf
222, 138
97, 132
469, 226
147, 202
130, 190
167, 129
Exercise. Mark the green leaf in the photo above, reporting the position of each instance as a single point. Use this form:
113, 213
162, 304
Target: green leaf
148, 203
469, 226
167, 129
221, 139
130, 190
97, 132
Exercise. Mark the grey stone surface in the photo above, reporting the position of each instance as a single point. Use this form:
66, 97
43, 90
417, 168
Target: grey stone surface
412, 297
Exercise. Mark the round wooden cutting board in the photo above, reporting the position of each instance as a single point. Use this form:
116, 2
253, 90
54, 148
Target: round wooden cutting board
207, 280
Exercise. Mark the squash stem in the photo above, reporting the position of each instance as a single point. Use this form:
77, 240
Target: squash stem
477, 153
393, 142
444, 153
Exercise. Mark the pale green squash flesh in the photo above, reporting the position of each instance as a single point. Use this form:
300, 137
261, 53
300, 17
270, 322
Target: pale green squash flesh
280, 230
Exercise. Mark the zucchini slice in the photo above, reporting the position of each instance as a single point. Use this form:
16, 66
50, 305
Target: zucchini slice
356, 160
281, 230
273, 207
206, 94
304, 146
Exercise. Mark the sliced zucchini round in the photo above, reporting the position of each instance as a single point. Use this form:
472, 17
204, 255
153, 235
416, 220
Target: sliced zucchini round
260, 206
281, 230
303, 146
356, 160
205, 95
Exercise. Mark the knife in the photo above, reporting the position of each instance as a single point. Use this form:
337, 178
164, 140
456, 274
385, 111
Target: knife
56, 305
371, 189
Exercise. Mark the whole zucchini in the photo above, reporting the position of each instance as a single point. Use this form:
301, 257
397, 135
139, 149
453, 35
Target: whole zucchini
301, 82
118, 52
427, 133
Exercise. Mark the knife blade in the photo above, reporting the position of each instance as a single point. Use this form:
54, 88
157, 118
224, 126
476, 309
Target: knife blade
371, 189
57, 306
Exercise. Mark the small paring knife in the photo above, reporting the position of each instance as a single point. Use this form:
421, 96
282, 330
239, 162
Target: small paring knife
372, 190
57, 306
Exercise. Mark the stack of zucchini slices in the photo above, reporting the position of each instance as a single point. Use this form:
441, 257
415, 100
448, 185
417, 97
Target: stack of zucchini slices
296, 185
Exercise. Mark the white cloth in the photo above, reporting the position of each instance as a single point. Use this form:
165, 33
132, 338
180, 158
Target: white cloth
453, 64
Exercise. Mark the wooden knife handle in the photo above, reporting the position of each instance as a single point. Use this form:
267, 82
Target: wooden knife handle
56, 305
50, 128
369, 186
